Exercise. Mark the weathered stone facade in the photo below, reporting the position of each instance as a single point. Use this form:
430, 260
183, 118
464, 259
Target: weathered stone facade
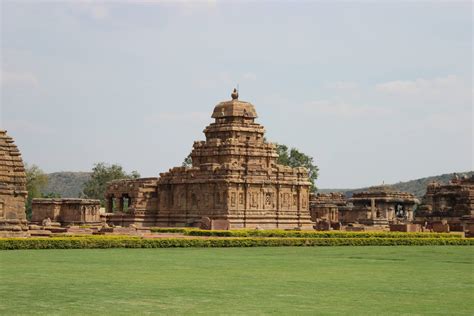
12, 189
132, 201
380, 206
452, 202
66, 211
234, 180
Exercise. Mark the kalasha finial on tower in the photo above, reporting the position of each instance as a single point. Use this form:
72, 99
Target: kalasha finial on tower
235, 94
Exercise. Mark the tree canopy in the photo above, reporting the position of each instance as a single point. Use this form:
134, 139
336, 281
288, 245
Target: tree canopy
188, 161
101, 174
294, 158
36, 181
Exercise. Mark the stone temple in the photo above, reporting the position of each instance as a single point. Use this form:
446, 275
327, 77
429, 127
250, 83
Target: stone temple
234, 182
452, 202
380, 205
12, 189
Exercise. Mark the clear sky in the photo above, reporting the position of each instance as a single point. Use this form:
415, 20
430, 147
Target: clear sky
373, 91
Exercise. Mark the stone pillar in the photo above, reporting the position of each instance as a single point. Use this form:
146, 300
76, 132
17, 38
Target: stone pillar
277, 198
109, 205
119, 204
298, 203
225, 197
246, 201
186, 212
83, 214
409, 213
372, 208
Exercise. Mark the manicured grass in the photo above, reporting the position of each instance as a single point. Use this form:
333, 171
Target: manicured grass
393, 280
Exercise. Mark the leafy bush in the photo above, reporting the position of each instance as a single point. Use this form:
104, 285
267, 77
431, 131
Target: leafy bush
314, 234
136, 242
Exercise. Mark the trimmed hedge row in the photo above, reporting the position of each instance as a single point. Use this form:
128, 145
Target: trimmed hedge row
315, 234
131, 242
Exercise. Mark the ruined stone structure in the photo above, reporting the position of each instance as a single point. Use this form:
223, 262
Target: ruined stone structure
327, 206
234, 180
452, 202
66, 211
12, 189
380, 206
132, 201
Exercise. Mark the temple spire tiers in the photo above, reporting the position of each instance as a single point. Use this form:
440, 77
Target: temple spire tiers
13, 191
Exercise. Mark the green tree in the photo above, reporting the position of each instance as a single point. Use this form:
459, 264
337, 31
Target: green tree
188, 161
51, 195
283, 154
294, 158
36, 182
101, 174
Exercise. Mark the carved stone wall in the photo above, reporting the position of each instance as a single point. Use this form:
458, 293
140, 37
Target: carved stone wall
132, 201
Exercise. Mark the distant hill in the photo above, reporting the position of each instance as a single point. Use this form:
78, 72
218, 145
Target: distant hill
67, 184
70, 184
417, 187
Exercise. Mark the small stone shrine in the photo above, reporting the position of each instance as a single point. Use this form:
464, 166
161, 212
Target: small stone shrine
380, 206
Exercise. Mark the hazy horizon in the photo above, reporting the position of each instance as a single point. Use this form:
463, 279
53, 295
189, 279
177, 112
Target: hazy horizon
375, 92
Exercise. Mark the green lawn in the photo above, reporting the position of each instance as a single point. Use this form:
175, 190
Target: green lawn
313, 280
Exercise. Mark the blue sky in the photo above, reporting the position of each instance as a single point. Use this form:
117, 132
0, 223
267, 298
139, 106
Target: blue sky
373, 91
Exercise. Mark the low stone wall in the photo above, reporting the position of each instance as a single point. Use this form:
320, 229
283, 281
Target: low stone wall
125, 219
13, 228
66, 211
440, 227
405, 228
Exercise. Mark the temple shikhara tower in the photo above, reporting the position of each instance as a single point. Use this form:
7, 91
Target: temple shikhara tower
234, 181
12, 188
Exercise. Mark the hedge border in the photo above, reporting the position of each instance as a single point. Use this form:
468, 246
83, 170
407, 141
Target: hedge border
127, 242
315, 234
